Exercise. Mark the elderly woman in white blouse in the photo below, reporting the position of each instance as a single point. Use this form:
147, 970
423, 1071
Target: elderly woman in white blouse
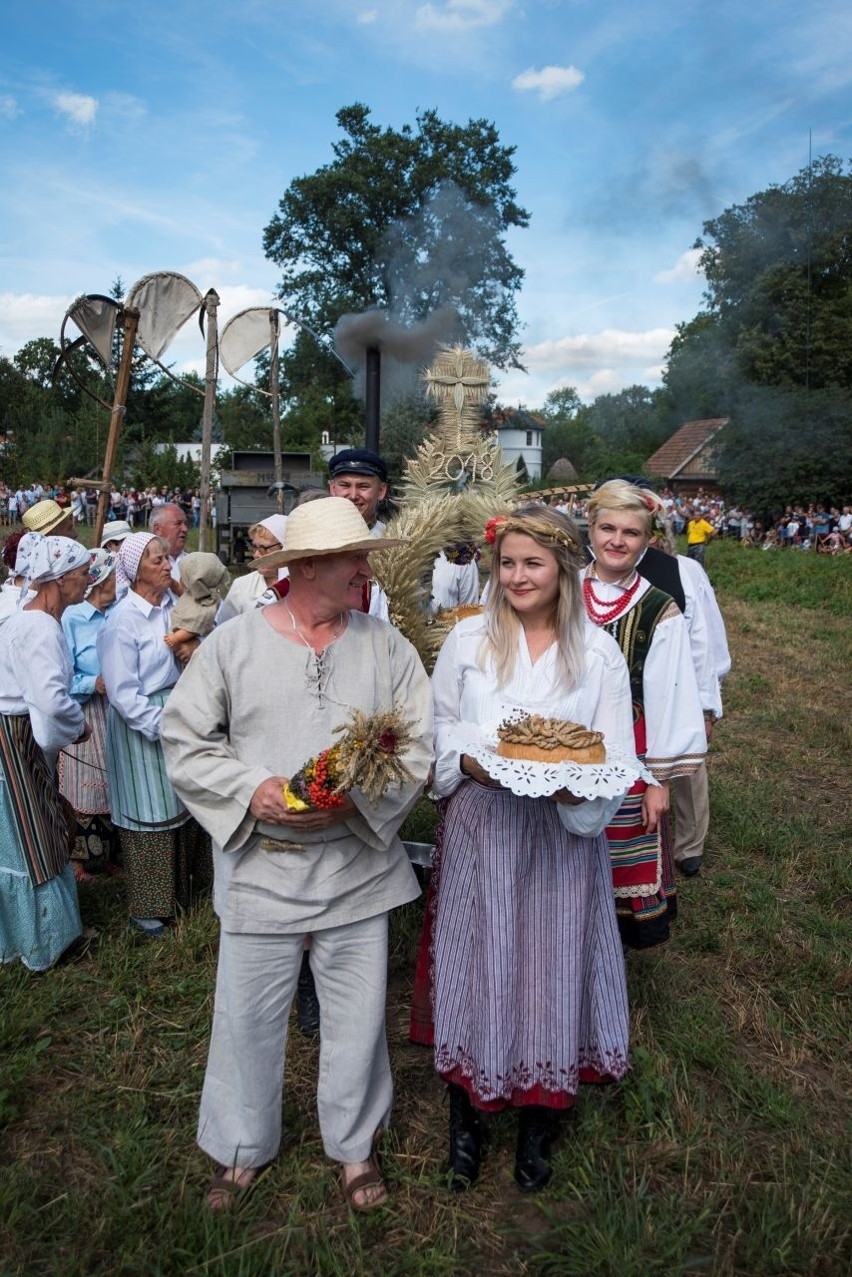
247, 591
162, 848
529, 985
39, 914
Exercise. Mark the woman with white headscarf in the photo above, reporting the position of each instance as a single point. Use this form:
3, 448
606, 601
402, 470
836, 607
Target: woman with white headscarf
39, 914
81, 769
162, 847
247, 592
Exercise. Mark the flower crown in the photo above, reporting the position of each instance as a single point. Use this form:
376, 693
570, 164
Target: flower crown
500, 524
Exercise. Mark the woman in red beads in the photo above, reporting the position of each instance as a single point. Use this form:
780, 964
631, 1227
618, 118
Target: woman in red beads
668, 721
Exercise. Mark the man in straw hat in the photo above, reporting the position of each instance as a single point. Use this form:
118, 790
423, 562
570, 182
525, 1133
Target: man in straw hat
262, 695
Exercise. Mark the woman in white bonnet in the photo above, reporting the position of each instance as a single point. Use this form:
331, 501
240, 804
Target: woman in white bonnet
246, 591
39, 913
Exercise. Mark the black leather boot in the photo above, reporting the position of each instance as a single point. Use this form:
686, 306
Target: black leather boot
467, 1135
307, 1003
536, 1132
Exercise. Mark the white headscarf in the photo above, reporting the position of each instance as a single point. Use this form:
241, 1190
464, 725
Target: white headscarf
48, 559
130, 556
277, 525
24, 549
101, 566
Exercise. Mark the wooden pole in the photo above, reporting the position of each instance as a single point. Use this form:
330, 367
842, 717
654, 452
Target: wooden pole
274, 396
122, 382
211, 305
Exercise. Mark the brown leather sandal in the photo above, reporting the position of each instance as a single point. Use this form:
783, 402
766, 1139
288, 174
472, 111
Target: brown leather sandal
367, 1179
232, 1189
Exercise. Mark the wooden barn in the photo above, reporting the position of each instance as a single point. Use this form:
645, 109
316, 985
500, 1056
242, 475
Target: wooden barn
687, 461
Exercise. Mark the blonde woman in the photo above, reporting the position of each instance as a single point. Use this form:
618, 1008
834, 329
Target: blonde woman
529, 985
668, 720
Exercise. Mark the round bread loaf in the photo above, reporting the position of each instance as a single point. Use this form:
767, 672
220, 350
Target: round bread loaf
550, 740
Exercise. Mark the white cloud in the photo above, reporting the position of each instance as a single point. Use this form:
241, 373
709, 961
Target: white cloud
24, 316
78, 107
8, 107
684, 271
207, 268
368, 16
593, 363
462, 15
550, 82
599, 351
237, 297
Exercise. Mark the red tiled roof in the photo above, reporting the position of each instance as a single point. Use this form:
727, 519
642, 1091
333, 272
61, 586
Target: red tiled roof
516, 418
678, 455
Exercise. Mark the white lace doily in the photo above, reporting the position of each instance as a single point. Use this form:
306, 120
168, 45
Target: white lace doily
538, 780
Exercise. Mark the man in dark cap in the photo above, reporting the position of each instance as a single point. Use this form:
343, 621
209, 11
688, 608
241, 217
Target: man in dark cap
361, 477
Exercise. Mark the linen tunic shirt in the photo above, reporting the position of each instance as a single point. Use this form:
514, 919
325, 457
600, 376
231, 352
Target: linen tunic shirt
252, 705
470, 706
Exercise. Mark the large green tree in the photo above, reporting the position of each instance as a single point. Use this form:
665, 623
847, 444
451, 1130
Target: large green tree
779, 279
772, 349
408, 220
380, 226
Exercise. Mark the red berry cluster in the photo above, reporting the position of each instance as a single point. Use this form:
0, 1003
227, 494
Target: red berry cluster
319, 788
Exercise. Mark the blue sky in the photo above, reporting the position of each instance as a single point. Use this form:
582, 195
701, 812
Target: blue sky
136, 138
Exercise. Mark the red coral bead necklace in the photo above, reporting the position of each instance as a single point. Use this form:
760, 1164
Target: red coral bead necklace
602, 612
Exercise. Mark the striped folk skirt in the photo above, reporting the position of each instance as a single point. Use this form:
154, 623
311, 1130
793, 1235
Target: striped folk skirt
32, 800
166, 855
643, 874
39, 915
141, 794
81, 769
530, 997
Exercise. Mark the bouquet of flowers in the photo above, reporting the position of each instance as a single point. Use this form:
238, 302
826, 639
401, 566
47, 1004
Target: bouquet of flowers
367, 757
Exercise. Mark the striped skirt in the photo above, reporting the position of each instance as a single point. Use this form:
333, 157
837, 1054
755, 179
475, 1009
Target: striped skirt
39, 915
81, 769
141, 795
33, 803
530, 997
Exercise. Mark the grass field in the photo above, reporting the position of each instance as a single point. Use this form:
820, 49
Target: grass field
725, 1151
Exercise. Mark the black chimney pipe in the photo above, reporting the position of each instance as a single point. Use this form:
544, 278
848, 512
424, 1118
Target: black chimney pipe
372, 391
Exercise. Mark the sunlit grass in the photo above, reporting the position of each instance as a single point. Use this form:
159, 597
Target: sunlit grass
724, 1151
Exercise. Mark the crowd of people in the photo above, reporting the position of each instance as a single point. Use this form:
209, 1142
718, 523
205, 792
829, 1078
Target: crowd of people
821, 527
153, 715
134, 505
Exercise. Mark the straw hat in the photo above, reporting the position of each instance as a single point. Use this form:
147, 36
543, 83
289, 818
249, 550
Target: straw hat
318, 528
44, 516
116, 531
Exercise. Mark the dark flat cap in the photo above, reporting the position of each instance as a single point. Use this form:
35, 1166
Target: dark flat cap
358, 461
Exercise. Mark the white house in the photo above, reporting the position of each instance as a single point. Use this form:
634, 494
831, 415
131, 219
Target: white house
519, 434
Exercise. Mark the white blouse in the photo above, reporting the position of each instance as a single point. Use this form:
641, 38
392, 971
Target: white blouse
9, 596
35, 675
136, 661
676, 741
469, 706
454, 584
701, 600
241, 597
